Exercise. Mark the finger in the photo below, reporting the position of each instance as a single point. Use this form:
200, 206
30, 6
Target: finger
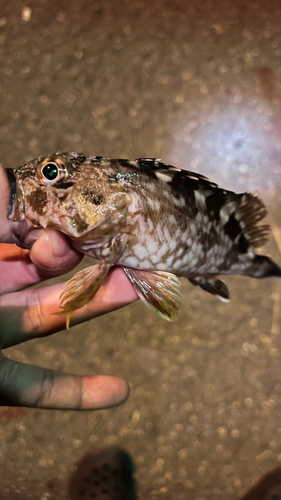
51, 255
32, 386
5, 233
32, 313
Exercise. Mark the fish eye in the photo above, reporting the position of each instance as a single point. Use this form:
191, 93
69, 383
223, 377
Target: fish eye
53, 169
50, 172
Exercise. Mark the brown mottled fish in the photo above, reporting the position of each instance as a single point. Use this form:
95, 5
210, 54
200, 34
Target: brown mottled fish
155, 221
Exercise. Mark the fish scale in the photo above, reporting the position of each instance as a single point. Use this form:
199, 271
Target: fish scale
154, 220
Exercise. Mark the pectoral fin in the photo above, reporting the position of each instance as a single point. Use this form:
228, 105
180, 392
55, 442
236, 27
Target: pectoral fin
160, 291
213, 286
80, 289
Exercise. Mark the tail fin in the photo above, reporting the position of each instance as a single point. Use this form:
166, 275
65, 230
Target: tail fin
249, 212
262, 267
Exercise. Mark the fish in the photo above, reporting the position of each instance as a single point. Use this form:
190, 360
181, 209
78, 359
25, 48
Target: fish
157, 222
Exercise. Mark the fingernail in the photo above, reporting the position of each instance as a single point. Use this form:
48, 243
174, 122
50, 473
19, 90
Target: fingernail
58, 241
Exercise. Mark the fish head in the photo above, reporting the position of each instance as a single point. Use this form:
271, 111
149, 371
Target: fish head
70, 192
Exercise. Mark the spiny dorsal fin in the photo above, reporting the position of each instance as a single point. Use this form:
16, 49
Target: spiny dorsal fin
176, 174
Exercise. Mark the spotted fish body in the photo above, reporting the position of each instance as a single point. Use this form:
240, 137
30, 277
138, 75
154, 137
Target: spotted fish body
155, 221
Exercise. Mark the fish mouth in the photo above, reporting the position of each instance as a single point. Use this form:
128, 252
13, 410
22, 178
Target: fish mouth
13, 190
16, 209
16, 212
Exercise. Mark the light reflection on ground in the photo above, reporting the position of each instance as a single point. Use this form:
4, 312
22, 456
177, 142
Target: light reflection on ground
235, 144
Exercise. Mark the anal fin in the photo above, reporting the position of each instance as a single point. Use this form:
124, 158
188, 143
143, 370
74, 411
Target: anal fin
213, 286
160, 291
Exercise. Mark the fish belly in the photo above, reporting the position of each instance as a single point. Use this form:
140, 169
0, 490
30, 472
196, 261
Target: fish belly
158, 247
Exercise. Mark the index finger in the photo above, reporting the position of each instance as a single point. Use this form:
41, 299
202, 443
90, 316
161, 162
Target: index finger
33, 313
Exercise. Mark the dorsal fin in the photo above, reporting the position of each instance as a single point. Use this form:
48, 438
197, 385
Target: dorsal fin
251, 210
176, 175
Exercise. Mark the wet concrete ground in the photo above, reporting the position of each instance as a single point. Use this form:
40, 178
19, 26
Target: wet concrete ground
197, 83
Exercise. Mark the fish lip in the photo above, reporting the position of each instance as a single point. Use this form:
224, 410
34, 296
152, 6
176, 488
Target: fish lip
18, 224
13, 190
16, 207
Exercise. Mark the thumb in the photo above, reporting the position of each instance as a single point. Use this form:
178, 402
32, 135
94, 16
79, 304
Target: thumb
53, 254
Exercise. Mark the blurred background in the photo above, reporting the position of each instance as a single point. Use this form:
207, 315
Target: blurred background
198, 84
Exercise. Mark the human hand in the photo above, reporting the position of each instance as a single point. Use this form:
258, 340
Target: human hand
27, 314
